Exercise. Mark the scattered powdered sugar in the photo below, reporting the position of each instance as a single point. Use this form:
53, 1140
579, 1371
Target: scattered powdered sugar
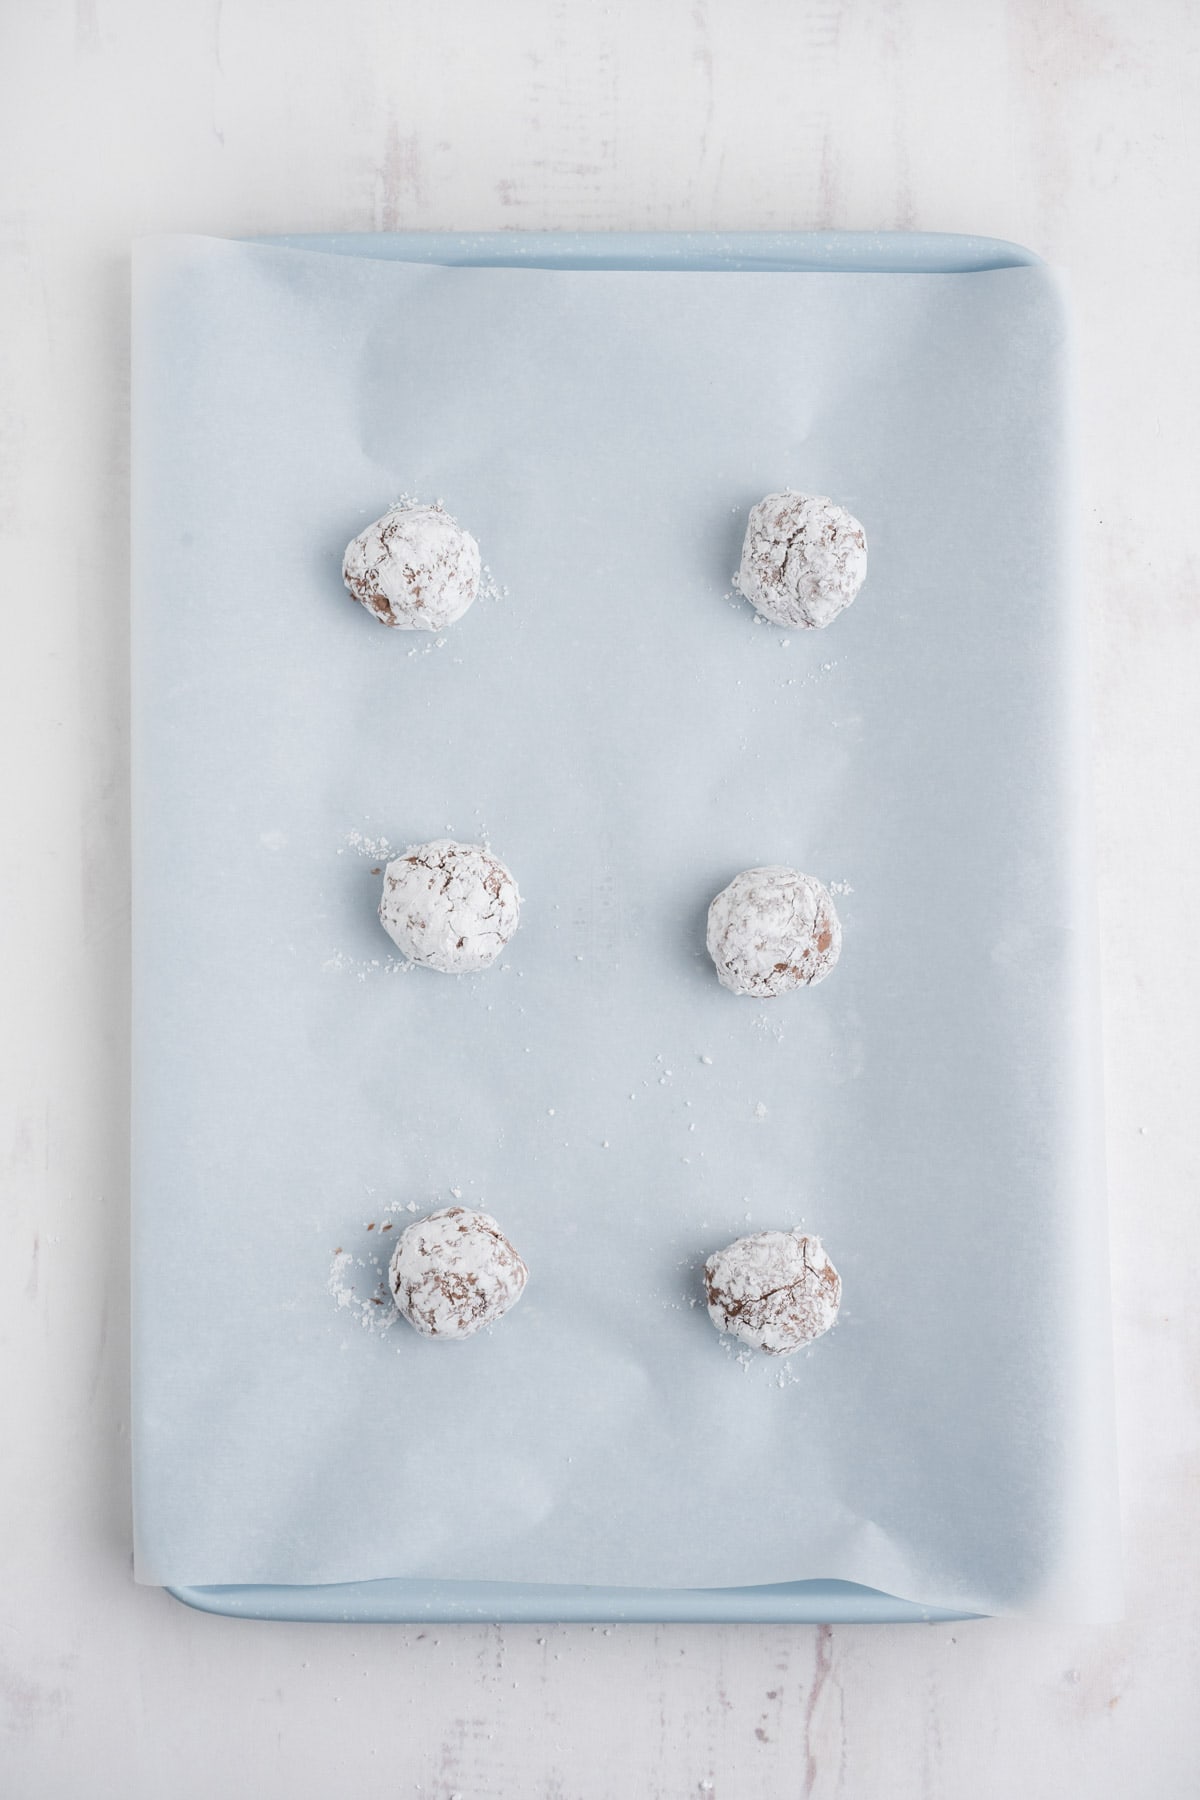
363, 968
377, 848
779, 1371
811, 677
489, 587
359, 1286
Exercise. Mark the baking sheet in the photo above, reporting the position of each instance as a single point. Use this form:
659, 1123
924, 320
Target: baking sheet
627, 738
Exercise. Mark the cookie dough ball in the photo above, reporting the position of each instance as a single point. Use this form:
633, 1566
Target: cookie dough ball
454, 1272
415, 568
776, 1290
772, 930
803, 561
450, 907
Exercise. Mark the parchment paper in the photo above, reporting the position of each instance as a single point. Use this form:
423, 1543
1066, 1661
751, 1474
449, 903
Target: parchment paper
627, 737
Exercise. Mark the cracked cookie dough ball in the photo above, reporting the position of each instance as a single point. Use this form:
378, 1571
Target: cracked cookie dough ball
454, 1272
772, 930
450, 907
416, 568
776, 1290
803, 561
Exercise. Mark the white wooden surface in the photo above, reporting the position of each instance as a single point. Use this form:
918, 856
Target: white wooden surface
1069, 125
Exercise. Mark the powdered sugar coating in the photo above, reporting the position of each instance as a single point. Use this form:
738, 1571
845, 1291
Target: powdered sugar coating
454, 1272
776, 1290
803, 560
772, 930
449, 906
415, 568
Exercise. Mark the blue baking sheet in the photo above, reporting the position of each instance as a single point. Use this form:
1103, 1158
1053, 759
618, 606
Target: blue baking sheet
490, 1602
795, 252
409, 1600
